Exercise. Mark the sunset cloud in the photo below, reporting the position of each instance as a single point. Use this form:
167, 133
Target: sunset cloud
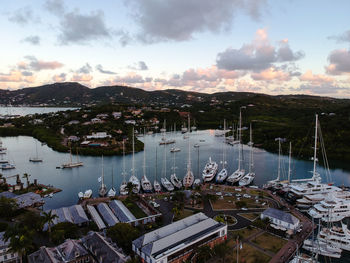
16, 76
316, 79
271, 74
339, 62
81, 77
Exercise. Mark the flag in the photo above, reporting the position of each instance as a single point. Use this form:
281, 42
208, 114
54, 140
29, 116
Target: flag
240, 246
99, 179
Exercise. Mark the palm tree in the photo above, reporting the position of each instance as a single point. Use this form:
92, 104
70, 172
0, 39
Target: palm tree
21, 239
26, 176
48, 218
129, 187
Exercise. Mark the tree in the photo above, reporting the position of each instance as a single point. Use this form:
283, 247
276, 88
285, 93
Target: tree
26, 176
129, 187
221, 250
48, 218
203, 253
241, 204
123, 234
21, 239
8, 207
64, 230
212, 198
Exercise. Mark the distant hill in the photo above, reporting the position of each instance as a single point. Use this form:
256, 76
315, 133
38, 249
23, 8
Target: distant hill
75, 94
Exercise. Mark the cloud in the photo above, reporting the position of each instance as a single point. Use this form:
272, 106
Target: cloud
23, 16
339, 62
78, 28
86, 69
316, 79
258, 55
55, 7
82, 77
34, 40
59, 78
345, 37
37, 65
271, 74
141, 65
179, 20
27, 73
324, 89
16, 76
101, 70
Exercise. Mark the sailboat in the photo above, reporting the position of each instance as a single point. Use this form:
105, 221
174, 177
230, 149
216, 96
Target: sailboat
72, 164
111, 191
103, 189
87, 194
239, 173
222, 175
164, 140
210, 170
2, 149
156, 184
174, 149
133, 179
36, 158
145, 183
123, 186
249, 177
189, 178
197, 181
164, 180
173, 178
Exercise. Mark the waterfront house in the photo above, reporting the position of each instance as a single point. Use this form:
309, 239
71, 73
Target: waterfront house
280, 220
96, 120
73, 122
7, 256
98, 135
178, 241
116, 114
73, 138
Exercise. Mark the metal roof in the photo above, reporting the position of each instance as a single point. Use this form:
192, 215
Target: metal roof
283, 216
96, 217
107, 214
120, 210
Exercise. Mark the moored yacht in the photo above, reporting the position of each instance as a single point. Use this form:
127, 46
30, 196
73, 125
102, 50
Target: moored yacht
173, 178
123, 186
337, 236
210, 170
145, 183
102, 191
249, 177
188, 178
87, 194
156, 185
309, 200
331, 209
222, 175
322, 248
167, 184
133, 179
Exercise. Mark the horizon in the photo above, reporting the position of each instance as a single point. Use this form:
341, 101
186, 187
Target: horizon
199, 46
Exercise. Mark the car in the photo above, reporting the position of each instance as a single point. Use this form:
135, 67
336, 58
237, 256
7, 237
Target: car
165, 198
238, 195
244, 208
156, 204
263, 203
238, 189
246, 196
211, 187
218, 193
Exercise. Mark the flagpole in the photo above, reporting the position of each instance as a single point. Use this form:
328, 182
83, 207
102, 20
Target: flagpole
237, 248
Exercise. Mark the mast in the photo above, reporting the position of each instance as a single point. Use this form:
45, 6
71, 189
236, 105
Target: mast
70, 153
102, 179
251, 150
290, 159
279, 159
144, 156
156, 161
112, 177
223, 146
133, 152
124, 160
189, 149
36, 149
240, 137
314, 173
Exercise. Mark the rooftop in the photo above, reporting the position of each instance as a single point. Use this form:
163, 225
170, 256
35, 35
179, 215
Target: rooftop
283, 216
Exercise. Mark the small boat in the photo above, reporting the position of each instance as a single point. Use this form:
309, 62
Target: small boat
3, 161
123, 186
112, 192
72, 164
167, 184
7, 166
186, 137
174, 149
164, 140
81, 195
201, 140
156, 185
133, 179
196, 145
87, 194
249, 177
222, 175
210, 170
145, 183
197, 182
102, 191
173, 178
50, 195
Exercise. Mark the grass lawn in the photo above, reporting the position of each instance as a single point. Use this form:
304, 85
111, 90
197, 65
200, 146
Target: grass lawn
228, 203
134, 209
248, 254
269, 242
184, 213
250, 216
244, 233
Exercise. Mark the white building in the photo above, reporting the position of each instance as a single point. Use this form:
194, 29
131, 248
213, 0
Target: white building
178, 240
116, 114
280, 219
98, 135
5, 254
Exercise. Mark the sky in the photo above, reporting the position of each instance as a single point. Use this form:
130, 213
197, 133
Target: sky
265, 46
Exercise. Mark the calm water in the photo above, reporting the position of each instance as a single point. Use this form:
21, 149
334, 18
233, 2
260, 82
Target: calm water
71, 181
22, 111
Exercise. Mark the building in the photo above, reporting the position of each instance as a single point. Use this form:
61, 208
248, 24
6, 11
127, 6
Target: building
178, 241
281, 220
103, 249
73, 122
116, 114
70, 251
96, 120
98, 135
73, 138
7, 256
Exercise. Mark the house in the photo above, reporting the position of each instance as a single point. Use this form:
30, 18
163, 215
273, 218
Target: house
7, 256
70, 251
37, 121
96, 120
73, 138
73, 122
176, 242
102, 116
133, 122
116, 114
281, 220
103, 249
29, 199
98, 135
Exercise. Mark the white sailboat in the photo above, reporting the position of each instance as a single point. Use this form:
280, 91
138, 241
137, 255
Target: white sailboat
145, 183
249, 177
36, 158
123, 186
81, 195
164, 180
111, 192
87, 194
189, 178
133, 179
222, 175
102, 191
173, 178
164, 140
239, 173
174, 149
277, 181
156, 185
210, 170
72, 164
